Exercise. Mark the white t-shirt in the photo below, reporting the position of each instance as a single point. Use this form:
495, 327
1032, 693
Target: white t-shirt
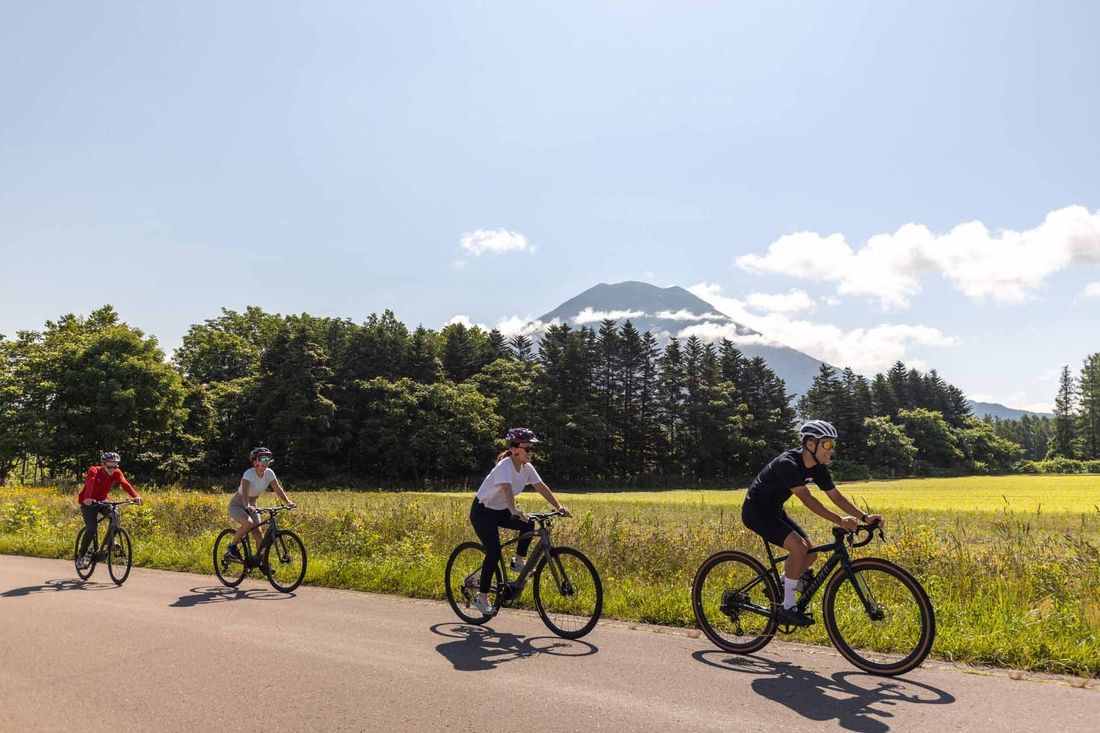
505, 473
257, 484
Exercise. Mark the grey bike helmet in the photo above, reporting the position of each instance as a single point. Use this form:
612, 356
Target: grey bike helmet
816, 429
258, 452
110, 456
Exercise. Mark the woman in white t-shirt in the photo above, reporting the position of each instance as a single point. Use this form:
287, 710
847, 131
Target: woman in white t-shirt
242, 507
495, 507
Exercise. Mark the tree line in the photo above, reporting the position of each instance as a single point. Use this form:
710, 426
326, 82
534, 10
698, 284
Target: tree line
1075, 427
378, 402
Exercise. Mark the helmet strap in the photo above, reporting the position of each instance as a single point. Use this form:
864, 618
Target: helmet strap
813, 453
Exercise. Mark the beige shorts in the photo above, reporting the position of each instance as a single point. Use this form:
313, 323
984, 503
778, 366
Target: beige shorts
238, 512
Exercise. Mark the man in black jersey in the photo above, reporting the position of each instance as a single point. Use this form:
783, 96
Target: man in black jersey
788, 474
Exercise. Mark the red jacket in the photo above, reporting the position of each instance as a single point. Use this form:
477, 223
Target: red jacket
98, 483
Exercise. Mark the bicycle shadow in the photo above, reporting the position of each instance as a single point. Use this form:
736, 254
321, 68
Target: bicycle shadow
855, 701
220, 594
477, 648
56, 585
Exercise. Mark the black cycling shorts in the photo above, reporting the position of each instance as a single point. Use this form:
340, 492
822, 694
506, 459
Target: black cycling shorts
771, 525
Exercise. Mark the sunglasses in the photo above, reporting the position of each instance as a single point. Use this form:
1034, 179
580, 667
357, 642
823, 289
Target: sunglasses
528, 448
110, 465
827, 444
265, 460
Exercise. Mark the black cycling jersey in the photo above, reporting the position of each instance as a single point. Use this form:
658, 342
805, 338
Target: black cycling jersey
772, 486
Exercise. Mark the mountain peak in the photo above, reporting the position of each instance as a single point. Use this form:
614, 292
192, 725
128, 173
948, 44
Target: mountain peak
674, 312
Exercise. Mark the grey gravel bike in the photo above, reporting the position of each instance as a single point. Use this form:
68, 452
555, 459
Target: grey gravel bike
115, 548
567, 589
877, 615
281, 555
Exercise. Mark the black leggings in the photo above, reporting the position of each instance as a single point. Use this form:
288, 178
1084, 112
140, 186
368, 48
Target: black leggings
91, 518
486, 522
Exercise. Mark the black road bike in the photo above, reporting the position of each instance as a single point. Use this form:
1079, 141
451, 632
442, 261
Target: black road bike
281, 555
115, 547
567, 589
876, 613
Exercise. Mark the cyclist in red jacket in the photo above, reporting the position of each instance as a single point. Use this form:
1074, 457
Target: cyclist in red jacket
97, 486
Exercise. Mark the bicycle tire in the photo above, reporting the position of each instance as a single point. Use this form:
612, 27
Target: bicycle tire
93, 547
575, 597
229, 573
120, 557
731, 590
285, 574
901, 638
466, 561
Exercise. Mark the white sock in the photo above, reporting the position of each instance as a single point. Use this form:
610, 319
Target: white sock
789, 584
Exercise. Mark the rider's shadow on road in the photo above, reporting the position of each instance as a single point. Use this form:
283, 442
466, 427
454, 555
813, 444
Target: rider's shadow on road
220, 594
477, 648
56, 585
856, 701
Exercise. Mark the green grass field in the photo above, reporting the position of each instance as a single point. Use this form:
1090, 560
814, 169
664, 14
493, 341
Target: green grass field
1012, 564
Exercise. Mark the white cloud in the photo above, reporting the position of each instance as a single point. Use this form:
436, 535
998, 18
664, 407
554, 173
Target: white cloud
588, 315
509, 326
465, 321
866, 350
1092, 290
458, 264
514, 325
685, 315
792, 302
1005, 266
496, 241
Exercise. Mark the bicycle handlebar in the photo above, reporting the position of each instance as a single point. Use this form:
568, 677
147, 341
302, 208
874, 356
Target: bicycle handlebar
869, 530
114, 503
543, 516
274, 509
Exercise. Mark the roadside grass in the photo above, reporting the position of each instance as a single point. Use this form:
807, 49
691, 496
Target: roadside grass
1012, 564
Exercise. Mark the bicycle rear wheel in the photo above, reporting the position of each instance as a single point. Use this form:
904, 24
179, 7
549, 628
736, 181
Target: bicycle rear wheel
286, 561
120, 557
568, 593
85, 573
879, 617
461, 581
229, 572
733, 598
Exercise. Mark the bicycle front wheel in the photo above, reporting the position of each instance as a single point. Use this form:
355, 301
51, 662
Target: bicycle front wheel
568, 593
461, 582
285, 561
120, 557
229, 572
879, 617
87, 571
733, 599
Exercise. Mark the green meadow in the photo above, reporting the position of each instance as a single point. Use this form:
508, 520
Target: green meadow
1012, 564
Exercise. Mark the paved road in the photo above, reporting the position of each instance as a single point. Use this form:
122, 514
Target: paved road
177, 652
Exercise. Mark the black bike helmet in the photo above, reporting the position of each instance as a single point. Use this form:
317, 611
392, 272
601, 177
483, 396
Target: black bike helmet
520, 435
110, 456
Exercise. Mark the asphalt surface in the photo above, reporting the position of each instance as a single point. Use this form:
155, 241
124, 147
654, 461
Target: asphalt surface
178, 652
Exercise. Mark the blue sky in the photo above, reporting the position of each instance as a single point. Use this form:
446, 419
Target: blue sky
914, 182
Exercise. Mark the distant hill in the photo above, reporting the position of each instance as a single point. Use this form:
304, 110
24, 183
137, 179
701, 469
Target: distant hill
992, 409
673, 311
